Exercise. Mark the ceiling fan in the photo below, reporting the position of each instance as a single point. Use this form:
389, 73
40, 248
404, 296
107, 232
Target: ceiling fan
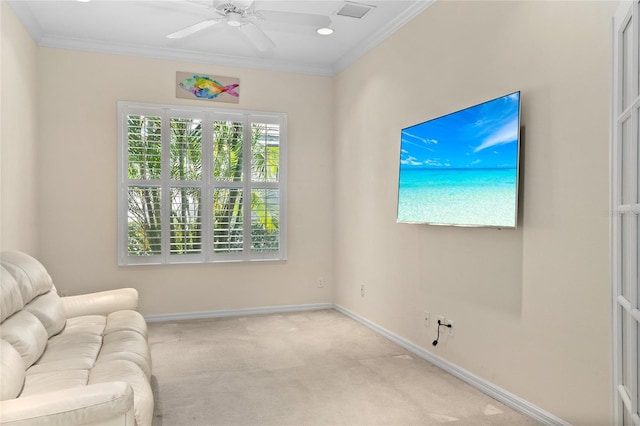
241, 14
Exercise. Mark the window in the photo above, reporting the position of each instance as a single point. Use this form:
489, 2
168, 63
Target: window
200, 185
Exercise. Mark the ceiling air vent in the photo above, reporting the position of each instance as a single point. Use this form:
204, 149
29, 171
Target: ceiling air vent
354, 10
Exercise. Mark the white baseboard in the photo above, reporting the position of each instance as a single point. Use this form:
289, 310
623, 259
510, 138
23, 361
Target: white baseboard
237, 312
507, 398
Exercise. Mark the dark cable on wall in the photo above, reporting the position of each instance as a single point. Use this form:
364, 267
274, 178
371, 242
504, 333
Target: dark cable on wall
440, 324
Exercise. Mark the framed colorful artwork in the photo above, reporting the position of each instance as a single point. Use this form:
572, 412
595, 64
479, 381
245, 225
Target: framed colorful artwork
207, 87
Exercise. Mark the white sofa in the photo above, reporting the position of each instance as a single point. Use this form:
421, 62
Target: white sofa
78, 360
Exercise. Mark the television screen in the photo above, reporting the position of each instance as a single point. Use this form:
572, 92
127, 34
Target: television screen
461, 169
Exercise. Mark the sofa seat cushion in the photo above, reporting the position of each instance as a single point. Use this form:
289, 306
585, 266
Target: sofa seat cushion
78, 345
63, 353
94, 339
93, 324
126, 320
71, 363
126, 345
88, 343
54, 381
127, 371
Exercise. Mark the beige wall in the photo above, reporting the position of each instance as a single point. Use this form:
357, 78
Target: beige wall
79, 92
530, 306
18, 136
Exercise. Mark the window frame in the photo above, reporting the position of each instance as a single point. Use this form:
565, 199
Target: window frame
207, 184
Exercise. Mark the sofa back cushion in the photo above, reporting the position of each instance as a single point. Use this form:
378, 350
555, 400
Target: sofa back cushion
26, 334
48, 308
31, 276
10, 296
26, 284
12, 367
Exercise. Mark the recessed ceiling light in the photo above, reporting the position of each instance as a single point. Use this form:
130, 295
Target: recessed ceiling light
324, 31
83, 1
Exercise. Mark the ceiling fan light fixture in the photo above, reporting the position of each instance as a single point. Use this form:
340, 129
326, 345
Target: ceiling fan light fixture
234, 19
324, 31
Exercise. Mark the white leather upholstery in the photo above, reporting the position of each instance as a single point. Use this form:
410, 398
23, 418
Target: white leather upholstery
50, 381
101, 404
31, 276
102, 303
84, 360
126, 345
49, 310
125, 320
124, 370
10, 296
12, 368
26, 334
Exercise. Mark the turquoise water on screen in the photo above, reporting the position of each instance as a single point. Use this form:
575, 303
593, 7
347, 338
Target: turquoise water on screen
475, 197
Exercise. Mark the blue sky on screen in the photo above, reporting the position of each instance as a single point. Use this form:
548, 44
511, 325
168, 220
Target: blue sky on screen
483, 136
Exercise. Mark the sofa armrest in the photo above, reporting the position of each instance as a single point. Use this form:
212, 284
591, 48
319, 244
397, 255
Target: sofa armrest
101, 303
100, 404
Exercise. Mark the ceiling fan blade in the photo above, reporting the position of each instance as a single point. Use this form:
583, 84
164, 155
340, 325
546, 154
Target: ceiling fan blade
257, 37
194, 28
295, 18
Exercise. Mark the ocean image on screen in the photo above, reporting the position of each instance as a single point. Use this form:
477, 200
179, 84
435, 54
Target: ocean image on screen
462, 168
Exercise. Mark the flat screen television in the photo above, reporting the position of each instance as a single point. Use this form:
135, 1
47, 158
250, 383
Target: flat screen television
461, 169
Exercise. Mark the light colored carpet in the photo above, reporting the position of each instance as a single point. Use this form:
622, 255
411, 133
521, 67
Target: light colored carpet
317, 368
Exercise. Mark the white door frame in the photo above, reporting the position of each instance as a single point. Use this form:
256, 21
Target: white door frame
625, 214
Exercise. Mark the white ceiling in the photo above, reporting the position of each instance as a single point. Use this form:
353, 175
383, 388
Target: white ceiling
139, 27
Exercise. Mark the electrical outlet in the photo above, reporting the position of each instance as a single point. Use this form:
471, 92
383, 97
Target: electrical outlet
426, 317
440, 320
450, 330
362, 290
320, 282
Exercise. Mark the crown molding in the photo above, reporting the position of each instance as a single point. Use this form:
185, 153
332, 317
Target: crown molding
25, 16
182, 55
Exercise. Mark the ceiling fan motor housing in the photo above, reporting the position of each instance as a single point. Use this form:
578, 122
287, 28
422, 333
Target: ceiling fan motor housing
233, 14
230, 8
